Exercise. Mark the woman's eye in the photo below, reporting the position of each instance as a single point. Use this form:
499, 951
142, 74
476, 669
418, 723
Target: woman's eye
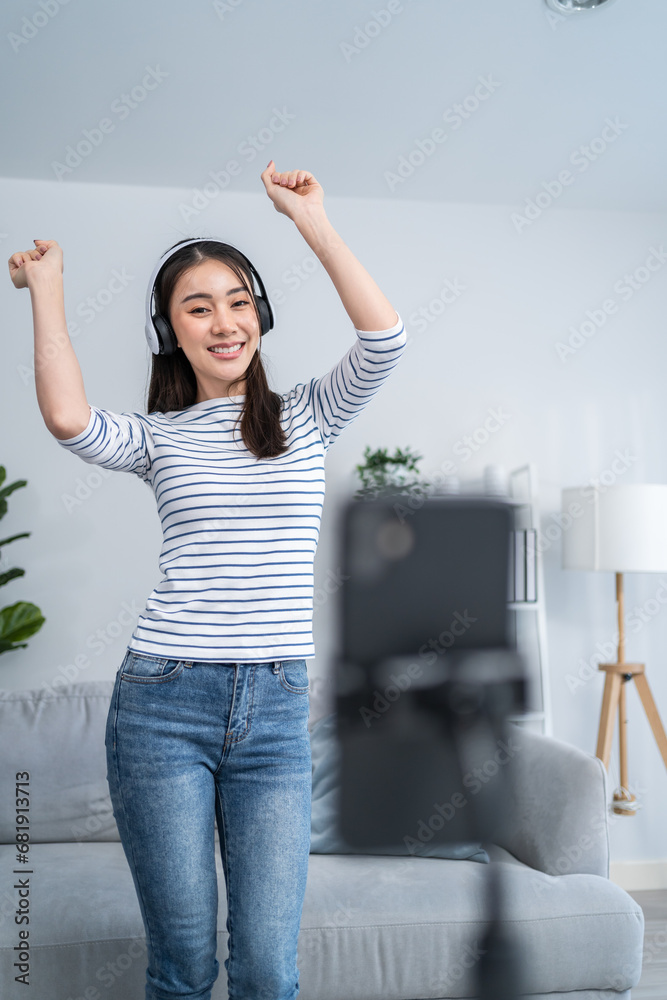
200, 309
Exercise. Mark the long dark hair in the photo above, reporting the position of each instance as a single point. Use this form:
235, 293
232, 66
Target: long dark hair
173, 384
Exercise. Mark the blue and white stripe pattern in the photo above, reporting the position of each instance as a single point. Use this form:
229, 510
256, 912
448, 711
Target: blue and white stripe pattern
239, 533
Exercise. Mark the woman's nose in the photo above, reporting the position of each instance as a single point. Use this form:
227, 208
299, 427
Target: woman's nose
222, 321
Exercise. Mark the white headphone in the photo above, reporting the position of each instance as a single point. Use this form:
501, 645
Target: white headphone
159, 333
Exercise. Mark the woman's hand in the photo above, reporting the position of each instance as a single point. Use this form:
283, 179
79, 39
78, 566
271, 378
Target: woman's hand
292, 191
46, 260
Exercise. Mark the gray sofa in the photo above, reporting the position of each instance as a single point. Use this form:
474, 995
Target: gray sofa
373, 927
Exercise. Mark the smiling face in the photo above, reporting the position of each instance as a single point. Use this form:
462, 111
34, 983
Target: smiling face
210, 309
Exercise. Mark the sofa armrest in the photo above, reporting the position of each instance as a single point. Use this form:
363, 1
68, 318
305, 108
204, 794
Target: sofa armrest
557, 810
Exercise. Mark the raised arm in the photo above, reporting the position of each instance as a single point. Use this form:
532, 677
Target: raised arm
298, 195
58, 380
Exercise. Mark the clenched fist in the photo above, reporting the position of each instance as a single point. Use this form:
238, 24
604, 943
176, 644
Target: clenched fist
292, 190
46, 260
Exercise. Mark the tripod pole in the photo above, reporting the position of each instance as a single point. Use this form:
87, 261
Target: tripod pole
624, 802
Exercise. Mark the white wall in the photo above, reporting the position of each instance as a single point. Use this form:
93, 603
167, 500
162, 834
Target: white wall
492, 348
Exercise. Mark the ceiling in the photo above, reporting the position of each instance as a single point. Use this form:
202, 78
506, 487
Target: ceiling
345, 90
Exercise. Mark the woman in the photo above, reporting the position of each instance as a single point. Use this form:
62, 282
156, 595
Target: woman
209, 715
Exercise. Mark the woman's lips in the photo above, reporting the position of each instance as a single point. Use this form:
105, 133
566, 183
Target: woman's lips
227, 356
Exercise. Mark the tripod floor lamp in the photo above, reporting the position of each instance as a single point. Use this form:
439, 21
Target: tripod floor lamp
622, 529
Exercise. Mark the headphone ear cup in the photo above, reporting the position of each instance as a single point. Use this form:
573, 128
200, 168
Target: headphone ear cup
166, 336
264, 314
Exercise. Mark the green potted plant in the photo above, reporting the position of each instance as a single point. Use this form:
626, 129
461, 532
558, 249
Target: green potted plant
382, 474
20, 620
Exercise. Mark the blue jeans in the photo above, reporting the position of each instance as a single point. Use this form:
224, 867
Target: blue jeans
189, 743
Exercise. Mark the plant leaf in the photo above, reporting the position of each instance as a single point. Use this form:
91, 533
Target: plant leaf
384, 474
18, 622
11, 574
12, 538
12, 486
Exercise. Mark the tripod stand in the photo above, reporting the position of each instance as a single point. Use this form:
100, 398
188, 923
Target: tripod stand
613, 699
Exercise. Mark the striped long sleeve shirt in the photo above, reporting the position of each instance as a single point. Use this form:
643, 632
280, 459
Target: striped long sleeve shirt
239, 533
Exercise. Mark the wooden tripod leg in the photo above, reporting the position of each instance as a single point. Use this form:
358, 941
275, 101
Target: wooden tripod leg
622, 735
612, 689
652, 714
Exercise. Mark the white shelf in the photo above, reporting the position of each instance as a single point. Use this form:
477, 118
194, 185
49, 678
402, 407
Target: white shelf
525, 496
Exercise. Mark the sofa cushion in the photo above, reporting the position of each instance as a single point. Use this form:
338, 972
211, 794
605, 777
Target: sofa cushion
59, 739
372, 927
325, 836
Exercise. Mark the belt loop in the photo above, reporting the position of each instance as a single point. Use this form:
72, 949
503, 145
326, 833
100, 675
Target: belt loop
276, 666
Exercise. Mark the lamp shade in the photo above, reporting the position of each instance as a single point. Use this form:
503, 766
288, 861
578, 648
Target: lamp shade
622, 529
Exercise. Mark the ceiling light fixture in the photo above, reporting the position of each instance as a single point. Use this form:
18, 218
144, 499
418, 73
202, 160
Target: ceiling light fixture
577, 6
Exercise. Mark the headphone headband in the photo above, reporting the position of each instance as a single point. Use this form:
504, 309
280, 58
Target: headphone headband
159, 334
